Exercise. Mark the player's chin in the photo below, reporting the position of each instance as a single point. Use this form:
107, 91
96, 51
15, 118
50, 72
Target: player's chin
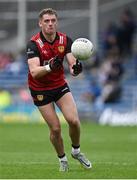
51, 31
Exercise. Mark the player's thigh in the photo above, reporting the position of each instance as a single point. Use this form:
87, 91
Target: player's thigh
50, 116
68, 107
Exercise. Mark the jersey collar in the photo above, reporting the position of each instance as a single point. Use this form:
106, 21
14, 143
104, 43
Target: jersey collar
44, 39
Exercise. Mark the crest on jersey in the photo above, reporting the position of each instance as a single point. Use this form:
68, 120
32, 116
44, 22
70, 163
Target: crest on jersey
61, 49
40, 97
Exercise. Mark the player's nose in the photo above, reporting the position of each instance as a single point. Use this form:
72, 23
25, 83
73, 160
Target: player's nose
50, 23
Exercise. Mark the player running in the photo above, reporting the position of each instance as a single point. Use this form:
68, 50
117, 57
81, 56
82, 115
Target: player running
46, 51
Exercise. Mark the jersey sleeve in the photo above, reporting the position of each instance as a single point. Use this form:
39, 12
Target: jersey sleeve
32, 50
69, 43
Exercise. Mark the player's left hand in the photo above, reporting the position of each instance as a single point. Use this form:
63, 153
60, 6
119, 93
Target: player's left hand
77, 68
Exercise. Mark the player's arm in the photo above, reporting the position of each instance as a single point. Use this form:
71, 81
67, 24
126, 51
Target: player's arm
36, 70
75, 65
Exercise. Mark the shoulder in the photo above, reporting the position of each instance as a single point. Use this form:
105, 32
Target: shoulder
31, 44
68, 39
32, 49
32, 41
69, 44
35, 37
61, 33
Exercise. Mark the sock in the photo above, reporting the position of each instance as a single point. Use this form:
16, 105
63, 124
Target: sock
62, 158
75, 150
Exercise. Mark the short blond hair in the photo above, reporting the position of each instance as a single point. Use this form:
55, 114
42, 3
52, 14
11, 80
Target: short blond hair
47, 11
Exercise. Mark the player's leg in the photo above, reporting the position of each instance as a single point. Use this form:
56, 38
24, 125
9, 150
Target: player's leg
50, 116
68, 107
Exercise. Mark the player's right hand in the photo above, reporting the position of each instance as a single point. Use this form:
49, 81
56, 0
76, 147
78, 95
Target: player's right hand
55, 63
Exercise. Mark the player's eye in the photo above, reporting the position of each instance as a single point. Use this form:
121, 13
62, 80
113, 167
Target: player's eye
53, 20
46, 21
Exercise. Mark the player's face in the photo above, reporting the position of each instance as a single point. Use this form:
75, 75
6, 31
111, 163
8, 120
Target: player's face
48, 24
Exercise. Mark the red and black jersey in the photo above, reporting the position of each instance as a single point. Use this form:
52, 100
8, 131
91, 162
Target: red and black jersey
40, 47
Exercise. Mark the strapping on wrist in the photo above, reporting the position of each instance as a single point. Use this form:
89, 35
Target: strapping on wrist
47, 67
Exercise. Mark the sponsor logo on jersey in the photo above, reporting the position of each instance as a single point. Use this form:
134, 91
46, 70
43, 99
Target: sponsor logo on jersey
29, 51
44, 51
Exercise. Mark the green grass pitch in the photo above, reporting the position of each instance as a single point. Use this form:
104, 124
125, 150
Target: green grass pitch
26, 152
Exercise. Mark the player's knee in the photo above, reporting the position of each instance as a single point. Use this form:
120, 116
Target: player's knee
74, 123
56, 132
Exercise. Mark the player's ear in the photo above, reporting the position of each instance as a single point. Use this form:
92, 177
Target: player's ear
40, 24
57, 24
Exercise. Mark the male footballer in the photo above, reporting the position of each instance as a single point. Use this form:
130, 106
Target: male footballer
46, 51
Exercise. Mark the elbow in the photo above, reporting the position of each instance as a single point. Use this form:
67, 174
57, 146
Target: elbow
34, 74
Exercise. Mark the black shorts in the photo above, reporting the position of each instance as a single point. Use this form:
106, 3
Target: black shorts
41, 98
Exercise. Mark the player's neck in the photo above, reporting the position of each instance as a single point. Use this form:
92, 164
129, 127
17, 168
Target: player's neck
50, 37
